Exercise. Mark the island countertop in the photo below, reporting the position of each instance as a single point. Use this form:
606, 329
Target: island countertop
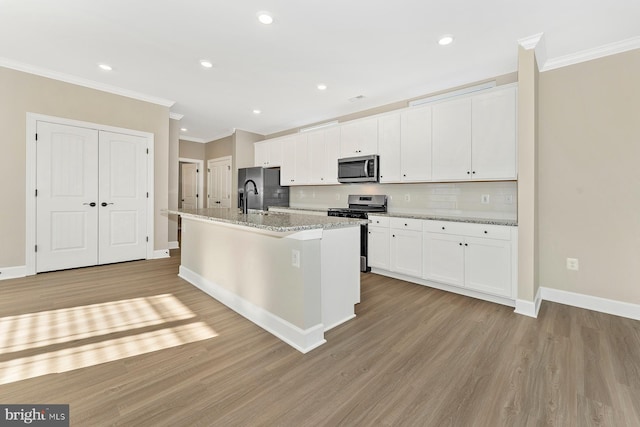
271, 221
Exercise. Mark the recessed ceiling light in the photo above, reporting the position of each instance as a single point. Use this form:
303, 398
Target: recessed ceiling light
322, 86
206, 64
183, 129
445, 40
265, 18
257, 111
105, 67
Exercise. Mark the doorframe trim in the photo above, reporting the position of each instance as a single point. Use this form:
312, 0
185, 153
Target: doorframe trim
31, 218
218, 159
200, 189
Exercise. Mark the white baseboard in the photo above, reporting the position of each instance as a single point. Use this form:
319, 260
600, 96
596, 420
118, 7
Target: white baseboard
529, 308
303, 340
603, 305
161, 253
174, 245
13, 272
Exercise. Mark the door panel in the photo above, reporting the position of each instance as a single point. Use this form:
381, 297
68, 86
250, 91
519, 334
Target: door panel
66, 223
444, 258
123, 198
219, 183
189, 186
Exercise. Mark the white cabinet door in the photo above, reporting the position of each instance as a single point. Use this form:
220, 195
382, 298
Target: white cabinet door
359, 138
406, 252
323, 152
260, 154
378, 247
389, 128
488, 265
295, 161
415, 151
444, 258
494, 135
452, 140
123, 199
274, 148
67, 185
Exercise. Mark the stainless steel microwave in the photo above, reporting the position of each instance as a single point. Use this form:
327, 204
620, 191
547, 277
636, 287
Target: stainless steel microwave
358, 169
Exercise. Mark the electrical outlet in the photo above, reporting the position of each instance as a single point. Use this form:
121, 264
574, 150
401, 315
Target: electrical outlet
407, 197
485, 199
572, 264
295, 258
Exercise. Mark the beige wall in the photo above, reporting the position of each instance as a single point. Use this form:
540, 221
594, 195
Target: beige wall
219, 148
589, 181
22, 93
191, 150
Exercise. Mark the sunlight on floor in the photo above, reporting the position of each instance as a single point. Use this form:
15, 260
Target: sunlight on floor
37, 330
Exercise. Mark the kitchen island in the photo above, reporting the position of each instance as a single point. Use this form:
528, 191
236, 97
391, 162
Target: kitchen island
294, 275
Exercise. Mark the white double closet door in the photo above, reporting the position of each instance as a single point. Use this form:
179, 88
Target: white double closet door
91, 197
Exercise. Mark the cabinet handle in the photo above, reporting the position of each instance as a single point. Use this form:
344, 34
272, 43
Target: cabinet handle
473, 172
486, 232
443, 228
406, 225
468, 173
460, 244
466, 244
404, 174
393, 235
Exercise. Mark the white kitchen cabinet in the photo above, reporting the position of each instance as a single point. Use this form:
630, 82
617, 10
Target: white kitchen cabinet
443, 258
389, 147
378, 247
493, 136
268, 154
487, 265
324, 150
455, 255
474, 138
295, 161
359, 138
405, 252
452, 140
416, 145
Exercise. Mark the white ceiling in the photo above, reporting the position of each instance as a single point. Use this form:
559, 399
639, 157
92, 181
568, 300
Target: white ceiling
382, 49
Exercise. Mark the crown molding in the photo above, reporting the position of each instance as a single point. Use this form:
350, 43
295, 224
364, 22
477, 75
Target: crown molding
192, 139
175, 116
530, 42
67, 78
591, 54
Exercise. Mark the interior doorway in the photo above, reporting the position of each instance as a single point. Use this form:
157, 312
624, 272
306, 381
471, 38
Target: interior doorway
219, 182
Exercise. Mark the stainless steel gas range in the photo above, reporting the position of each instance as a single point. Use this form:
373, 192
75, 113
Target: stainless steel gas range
360, 206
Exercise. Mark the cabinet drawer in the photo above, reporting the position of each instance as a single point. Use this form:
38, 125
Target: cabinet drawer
406, 223
378, 221
468, 229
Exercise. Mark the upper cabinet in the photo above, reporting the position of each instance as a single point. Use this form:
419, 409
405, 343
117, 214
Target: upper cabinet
474, 138
404, 146
268, 154
493, 136
324, 150
295, 160
359, 138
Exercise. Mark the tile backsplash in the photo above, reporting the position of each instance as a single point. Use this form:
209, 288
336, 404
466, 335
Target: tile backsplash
492, 199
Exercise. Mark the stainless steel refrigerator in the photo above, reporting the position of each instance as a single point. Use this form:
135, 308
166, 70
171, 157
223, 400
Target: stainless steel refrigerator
267, 181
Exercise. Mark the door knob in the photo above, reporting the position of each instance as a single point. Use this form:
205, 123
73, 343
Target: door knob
92, 204
105, 204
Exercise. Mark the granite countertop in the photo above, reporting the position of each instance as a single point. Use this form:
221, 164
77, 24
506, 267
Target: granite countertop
433, 217
271, 221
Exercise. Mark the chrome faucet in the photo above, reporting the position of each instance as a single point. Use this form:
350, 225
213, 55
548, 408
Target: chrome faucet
245, 205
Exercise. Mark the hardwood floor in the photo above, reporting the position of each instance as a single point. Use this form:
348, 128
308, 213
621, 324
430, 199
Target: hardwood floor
137, 346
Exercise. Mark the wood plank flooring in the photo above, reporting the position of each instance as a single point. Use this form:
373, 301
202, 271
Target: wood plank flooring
413, 356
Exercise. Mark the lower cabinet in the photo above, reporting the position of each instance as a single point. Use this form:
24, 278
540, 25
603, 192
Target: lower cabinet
476, 257
474, 263
378, 247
